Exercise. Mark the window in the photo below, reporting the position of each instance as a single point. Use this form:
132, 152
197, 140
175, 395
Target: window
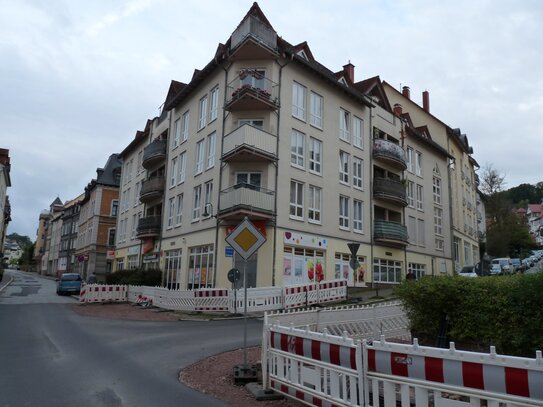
386, 271
126, 202
298, 101
179, 212
173, 172
420, 198
315, 155
315, 114
132, 262
456, 249
214, 102
343, 212
411, 194
137, 193
296, 200
253, 77
358, 132
417, 269
302, 266
358, 216
171, 211
249, 178
208, 189
120, 264
314, 205
440, 244
297, 148
199, 164
358, 168
114, 207
201, 267
418, 164
185, 126
211, 149
436, 188
134, 227
172, 268
467, 254
182, 167
409, 159
111, 237
202, 113
177, 133
344, 125
197, 193
343, 167
438, 221
412, 229
421, 240
140, 161
258, 123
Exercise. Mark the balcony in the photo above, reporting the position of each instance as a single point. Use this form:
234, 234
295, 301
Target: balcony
249, 143
390, 153
149, 226
390, 233
390, 190
251, 90
253, 40
154, 153
151, 189
246, 200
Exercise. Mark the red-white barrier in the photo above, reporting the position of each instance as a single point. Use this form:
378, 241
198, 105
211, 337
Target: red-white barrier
102, 293
211, 300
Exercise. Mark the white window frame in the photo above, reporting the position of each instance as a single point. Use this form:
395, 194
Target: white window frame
173, 172
315, 155
314, 206
438, 221
177, 133
344, 125
208, 191
185, 126
171, 211
421, 233
296, 210
202, 112
298, 100
344, 212
358, 132
297, 148
358, 173
214, 104
211, 147
179, 210
411, 194
316, 103
199, 162
418, 163
196, 202
182, 167
420, 197
436, 189
344, 160
358, 216
409, 160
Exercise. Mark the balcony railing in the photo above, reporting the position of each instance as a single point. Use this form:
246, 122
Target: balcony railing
249, 143
390, 233
253, 27
390, 153
149, 226
251, 90
245, 199
154, 153
151, 189
390, 190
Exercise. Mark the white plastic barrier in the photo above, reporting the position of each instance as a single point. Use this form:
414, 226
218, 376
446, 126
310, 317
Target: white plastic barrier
332, 291
211, 300
258, 299
103, 293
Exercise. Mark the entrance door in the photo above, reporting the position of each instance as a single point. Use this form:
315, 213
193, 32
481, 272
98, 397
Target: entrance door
251, 270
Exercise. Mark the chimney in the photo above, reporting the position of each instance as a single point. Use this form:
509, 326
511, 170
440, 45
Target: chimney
426, 101
406, 92
397, 109
348, 70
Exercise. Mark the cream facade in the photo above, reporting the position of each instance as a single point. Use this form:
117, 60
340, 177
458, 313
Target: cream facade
5, 208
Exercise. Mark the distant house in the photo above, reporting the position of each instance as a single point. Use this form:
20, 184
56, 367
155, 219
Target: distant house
535, 221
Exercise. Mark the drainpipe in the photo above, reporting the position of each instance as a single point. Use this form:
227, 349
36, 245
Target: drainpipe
372, 213
451, 218
274, 256
163, 199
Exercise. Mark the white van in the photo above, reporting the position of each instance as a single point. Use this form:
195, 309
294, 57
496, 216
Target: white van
501, 265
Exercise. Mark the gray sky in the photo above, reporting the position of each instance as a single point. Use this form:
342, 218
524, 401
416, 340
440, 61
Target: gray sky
79, 78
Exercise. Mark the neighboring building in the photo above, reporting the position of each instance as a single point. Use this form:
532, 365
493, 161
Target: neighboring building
94, 251
481, 215
54, 244
49, 248
41, 240
12, 251
313, 158
68, 235
5, 207
459, 173
534, 216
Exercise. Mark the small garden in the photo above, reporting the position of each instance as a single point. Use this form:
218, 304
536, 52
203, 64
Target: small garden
475, 313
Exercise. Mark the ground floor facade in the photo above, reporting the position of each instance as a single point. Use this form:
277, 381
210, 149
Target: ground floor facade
287, 257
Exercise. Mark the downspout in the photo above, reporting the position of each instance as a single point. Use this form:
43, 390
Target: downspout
217, 223
451, 218
372, 213
274, 256
164, 200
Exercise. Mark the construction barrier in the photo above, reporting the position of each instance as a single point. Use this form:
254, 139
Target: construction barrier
90, 293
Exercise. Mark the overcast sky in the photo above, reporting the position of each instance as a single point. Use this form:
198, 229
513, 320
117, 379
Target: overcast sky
79, 78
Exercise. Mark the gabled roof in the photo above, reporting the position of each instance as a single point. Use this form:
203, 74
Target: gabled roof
422, 134
373, 87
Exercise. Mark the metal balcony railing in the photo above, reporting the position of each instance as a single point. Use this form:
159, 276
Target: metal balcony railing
154, 153
390, 232
149, 226
252, 90
247, 196
152, 188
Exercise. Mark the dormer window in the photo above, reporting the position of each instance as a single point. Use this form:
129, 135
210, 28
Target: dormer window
302, 54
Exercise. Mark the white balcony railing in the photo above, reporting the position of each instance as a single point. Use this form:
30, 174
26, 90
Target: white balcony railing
251, 137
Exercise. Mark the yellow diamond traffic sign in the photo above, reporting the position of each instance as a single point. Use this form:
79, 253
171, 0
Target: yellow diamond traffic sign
245, 239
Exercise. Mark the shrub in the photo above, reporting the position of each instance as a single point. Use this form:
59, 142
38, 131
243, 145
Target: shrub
149, 278
503, 311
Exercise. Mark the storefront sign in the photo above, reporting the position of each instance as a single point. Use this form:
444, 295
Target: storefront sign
150, 258
229, 251
110, 254
302, 239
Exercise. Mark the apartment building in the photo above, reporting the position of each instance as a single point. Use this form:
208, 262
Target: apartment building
46, 250
459, 172
68, 235
95, 250
313, 158
41, 240
5, 207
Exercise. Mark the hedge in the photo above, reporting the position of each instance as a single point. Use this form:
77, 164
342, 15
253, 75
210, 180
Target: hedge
151, 278
504, 311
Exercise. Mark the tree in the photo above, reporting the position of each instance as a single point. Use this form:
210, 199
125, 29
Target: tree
492, 181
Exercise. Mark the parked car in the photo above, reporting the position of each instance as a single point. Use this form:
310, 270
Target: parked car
518, 267
69, 283
501, 265
467, 271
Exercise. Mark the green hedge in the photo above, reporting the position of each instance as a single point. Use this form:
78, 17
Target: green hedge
149, 278
504, 311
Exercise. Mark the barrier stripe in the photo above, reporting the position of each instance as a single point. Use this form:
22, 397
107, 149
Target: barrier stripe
481, 376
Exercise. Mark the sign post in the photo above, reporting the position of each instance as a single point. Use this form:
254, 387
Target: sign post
245, 239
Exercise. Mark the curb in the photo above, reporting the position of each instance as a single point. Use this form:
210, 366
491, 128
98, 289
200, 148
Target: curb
5, 285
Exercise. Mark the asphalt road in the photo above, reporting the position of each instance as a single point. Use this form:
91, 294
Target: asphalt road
51, 356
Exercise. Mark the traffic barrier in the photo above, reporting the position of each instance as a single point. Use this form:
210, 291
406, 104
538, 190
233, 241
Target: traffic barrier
211, 300
83, 293
102, 293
